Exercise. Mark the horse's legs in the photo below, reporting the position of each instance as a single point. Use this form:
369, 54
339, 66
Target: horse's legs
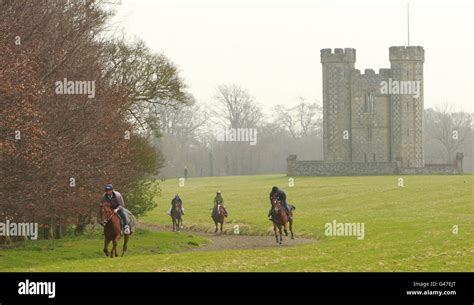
216, 226
275, 230
221, 226
125, 242
285, 227
114, 249
291, 229
106, 246
281, 237
174, 223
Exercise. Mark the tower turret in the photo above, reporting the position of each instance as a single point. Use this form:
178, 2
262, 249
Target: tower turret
337, 69
406, 90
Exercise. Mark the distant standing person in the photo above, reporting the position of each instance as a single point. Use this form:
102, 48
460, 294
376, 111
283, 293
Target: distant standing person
185, 173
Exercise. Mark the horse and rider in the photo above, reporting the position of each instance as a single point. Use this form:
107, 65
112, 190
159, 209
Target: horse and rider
176, 211
117, 204
114, 219
219, 200
281, 213
219, 212
280, 194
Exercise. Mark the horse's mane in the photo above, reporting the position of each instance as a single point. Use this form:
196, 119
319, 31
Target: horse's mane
106, 204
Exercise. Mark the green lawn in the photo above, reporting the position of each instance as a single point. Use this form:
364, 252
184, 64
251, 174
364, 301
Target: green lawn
406, 229
78, 253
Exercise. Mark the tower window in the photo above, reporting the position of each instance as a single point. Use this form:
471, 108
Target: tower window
369, 103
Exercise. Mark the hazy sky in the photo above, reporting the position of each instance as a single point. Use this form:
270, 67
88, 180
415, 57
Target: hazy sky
272, 48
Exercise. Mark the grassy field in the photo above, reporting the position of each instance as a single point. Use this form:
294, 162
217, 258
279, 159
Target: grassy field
80, 253
407, 228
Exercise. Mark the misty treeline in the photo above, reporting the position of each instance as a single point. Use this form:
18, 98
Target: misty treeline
190, 135
57, 151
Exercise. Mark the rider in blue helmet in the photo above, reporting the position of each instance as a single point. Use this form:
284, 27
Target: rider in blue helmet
116, 202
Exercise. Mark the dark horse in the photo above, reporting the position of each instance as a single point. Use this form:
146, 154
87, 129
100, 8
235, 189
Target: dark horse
280, 219
218, 215
176, 213
112, 230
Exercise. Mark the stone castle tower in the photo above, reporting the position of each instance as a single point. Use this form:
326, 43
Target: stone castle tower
373, 117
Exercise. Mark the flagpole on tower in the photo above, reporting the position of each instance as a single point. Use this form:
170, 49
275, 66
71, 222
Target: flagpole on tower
408, 22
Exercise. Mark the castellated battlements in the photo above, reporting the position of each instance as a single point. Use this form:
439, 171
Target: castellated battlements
383, 72
407, 53
339, 55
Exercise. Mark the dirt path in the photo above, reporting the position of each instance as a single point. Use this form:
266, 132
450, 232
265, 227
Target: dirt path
235, 242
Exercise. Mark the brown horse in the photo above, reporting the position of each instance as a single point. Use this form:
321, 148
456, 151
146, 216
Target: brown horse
280, 220
176, 216
112, 229
218, 215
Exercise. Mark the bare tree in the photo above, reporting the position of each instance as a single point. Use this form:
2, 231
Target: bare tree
301, 120
286, 119
308, 116
235, 107
452, 130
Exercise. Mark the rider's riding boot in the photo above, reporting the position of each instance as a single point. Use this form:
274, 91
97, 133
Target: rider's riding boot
225, 212
270, 214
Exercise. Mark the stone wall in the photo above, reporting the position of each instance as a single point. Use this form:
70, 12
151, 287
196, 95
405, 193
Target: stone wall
320, 168
433, 169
